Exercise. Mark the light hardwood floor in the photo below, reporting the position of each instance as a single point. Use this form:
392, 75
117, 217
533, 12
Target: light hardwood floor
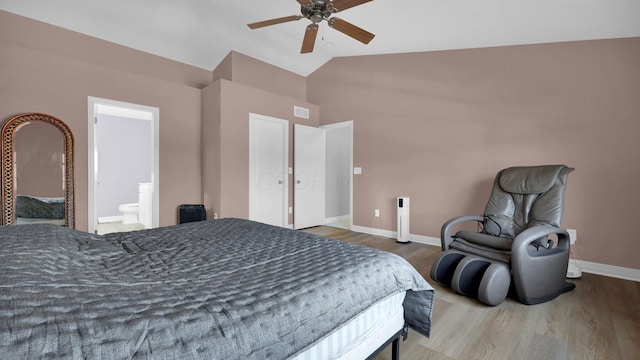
600, 319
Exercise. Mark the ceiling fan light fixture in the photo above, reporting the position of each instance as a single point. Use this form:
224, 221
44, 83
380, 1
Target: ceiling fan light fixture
316, 17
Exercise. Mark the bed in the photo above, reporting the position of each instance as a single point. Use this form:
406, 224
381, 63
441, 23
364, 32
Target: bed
218, 289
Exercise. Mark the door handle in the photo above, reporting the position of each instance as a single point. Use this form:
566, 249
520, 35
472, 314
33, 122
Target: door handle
279, 182
298, 182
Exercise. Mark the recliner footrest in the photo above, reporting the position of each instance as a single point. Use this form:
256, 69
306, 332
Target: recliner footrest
445, 265
483, 279
473, 276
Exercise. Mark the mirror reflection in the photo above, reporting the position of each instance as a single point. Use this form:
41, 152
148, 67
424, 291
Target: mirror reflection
39, 174
37, 171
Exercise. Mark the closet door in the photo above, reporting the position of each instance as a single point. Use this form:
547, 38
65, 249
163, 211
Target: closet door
268, 169
309, 176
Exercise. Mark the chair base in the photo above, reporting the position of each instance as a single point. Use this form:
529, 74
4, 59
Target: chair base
533, 301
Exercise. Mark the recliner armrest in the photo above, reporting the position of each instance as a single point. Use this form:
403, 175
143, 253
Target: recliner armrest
445, 233
532, 234
540, 276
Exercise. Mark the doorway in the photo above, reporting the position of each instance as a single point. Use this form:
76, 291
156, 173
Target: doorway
339, 174
123, 166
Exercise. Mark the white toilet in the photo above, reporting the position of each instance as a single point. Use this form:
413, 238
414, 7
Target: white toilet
140, 212
129, 213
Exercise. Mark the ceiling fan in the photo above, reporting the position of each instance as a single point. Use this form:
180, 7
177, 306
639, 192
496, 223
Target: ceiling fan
316, 11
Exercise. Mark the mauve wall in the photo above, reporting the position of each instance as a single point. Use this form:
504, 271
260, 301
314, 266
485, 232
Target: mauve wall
257, 74
51, 70
226, 108
437, 126
244, 85
246, 70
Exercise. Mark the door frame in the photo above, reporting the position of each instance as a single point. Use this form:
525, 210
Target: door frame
92, 111
349, 124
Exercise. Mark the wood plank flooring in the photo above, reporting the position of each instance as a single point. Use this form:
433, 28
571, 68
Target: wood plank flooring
600, 319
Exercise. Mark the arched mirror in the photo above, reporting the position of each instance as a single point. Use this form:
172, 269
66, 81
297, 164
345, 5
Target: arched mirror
37, 171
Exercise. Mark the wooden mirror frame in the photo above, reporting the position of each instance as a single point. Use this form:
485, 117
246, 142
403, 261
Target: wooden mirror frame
9, 130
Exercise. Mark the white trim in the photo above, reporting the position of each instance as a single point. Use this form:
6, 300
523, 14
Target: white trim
339, 221
586, 266
123, 112
336, 219
426, 240
609, 270
374, 231
93, 105
109, 219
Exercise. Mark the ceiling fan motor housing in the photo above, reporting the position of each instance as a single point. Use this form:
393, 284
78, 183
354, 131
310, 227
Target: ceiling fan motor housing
318, 12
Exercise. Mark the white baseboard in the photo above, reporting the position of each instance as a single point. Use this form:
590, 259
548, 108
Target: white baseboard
427, 240
609, 270
338, 221
585, 266
109, 219
373, 231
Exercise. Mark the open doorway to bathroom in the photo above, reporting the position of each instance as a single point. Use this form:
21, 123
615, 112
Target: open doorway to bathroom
338, 170
123, 166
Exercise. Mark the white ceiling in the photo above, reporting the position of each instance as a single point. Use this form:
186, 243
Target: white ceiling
203, 32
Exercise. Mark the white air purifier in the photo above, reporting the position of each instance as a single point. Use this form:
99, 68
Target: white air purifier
402, 206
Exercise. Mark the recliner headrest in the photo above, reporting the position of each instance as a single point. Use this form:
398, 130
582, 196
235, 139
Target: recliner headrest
531, 179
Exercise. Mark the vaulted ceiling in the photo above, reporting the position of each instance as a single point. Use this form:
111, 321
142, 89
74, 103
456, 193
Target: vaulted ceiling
203, 32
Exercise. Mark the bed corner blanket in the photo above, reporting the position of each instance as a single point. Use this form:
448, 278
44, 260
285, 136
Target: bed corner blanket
221, 289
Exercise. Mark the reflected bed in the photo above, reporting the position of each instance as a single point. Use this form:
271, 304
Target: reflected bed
41, 210
220, 289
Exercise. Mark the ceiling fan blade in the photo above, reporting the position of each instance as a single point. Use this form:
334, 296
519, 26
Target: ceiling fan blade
281, 20
351, 30
309, 39
307, 3
340, 5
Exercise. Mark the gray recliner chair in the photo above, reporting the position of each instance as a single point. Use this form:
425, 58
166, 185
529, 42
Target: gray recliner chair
513, 252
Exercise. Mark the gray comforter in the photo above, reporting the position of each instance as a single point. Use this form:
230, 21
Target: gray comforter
221, 289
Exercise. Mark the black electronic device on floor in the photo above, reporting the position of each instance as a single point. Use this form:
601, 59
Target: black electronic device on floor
192, 212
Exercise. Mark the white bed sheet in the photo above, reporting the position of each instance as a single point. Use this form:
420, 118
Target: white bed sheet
362, 335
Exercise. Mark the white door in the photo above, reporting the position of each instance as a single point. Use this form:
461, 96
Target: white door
268, 165
309, 175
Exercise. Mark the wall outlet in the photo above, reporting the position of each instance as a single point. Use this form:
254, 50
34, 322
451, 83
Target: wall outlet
573, 236
376, 213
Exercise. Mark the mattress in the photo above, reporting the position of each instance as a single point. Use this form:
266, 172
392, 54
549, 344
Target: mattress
362, 335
